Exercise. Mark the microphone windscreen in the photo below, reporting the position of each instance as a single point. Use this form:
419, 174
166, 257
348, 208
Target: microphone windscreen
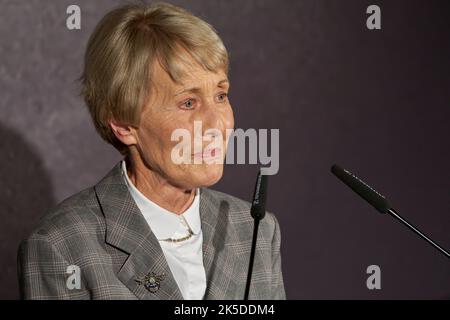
363, 189
258, 209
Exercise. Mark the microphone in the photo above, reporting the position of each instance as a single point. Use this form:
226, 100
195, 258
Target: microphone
257, 211
378, 201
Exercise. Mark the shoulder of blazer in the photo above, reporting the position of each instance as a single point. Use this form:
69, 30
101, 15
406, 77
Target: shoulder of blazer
79, 212
239, 213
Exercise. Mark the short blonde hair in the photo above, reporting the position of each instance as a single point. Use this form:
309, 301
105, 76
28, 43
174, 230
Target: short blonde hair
116, 79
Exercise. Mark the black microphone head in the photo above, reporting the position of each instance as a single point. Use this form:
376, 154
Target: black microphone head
363, 189
258, 209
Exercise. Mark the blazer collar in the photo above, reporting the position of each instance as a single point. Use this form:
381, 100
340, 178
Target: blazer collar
127, 230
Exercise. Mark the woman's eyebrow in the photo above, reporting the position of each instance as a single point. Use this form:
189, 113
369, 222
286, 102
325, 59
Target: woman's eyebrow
196, 89
219, 84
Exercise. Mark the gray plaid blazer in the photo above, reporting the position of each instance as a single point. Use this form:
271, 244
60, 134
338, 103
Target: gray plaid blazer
102, 231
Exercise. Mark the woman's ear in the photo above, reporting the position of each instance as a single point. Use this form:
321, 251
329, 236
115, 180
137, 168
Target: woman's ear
125, 133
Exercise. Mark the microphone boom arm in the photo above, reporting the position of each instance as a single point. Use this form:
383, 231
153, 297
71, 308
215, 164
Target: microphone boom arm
393, 213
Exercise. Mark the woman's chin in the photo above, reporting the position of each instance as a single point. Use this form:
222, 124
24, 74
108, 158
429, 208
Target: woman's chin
209, 174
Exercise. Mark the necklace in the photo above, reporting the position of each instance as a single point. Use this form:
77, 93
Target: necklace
180, 239
191, 233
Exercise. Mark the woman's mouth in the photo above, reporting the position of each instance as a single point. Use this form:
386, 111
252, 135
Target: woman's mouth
208, 153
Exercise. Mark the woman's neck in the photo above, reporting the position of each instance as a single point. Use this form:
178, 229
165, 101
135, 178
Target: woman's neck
154, 187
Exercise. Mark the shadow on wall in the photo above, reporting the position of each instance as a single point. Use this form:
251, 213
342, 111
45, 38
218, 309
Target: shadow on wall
25, 196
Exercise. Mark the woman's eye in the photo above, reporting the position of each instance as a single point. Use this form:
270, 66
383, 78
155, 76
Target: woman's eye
222, 97
188, 104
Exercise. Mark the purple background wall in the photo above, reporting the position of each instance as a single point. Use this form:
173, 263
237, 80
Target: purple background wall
376, 102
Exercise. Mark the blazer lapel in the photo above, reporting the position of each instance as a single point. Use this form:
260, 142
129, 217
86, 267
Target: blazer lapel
127, 230
216, 229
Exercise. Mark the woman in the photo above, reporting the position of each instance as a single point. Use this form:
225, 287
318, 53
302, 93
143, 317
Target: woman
151, 229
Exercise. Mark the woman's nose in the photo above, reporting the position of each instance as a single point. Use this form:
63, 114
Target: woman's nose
212, 118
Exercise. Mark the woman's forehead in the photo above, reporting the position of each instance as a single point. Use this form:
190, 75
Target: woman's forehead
193, 75
201, 78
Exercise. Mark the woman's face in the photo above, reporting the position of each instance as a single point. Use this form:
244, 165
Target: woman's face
201, 97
